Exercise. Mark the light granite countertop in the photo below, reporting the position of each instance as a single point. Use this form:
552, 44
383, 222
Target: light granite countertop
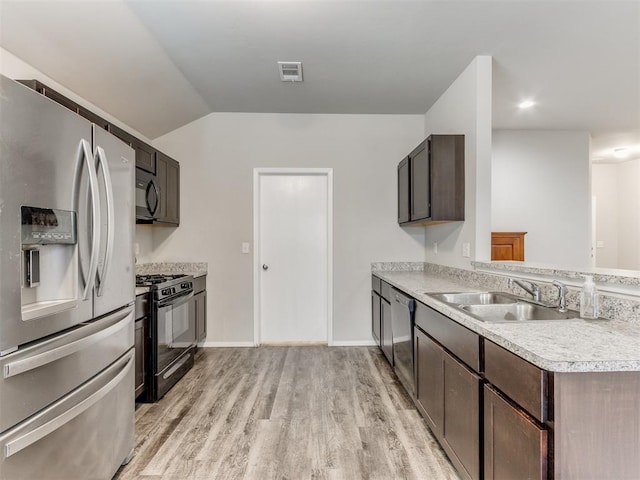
573, 345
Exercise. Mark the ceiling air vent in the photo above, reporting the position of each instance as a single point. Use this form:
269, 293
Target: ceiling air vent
290, 71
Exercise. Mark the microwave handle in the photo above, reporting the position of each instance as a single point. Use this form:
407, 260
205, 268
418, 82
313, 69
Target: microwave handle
151, 185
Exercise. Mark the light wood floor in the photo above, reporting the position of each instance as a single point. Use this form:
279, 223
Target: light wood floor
287, 413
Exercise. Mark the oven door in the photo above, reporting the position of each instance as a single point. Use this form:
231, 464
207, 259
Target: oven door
176, 330
147, 196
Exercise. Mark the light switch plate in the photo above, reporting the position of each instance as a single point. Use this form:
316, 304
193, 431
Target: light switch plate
435, 248
466, 249
245, 247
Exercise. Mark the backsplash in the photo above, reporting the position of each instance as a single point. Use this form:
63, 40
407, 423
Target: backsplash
188, 268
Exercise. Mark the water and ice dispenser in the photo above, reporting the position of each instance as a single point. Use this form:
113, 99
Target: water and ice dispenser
50, 261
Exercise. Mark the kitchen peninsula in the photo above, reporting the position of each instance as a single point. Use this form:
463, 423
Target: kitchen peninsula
581, 408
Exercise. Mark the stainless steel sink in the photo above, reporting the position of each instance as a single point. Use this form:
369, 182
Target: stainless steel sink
476, 298
501, 307
515, 312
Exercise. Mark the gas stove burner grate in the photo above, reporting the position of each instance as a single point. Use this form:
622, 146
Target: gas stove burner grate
155, 279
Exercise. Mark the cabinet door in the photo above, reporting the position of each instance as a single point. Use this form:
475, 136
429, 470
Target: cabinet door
201, 316
387, 337
168, 175
515, 446
125, 137
403, 191
145, 156
462, 415
59, 98
139, 342
375, 317
93, 118
429, 360
420, 182
446, 165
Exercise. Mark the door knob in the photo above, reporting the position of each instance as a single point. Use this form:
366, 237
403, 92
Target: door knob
265, 267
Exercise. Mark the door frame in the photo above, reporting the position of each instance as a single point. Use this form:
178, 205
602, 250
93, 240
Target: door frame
257, 174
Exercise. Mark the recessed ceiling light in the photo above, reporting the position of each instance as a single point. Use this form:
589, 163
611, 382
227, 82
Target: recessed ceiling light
621, 152
526, 104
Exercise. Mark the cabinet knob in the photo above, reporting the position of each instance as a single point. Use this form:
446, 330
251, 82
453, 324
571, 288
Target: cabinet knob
265, 266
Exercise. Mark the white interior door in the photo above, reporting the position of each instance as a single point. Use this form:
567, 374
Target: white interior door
293, 257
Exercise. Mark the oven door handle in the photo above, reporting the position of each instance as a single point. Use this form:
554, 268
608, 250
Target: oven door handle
176, 301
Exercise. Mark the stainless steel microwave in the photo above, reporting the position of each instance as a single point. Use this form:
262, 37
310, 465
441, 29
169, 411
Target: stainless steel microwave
147, 196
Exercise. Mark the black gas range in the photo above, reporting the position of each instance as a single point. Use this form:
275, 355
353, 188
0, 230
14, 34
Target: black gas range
172, 330
166, 285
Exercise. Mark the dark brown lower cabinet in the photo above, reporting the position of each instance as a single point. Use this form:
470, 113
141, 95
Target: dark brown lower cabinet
515, 445
429, 361
448, 396
461, 390
140, 351
385, 329
375, 317
201, 316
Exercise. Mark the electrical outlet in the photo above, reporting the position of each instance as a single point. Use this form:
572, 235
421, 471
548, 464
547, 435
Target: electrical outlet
466, 249
245, 247
435, 247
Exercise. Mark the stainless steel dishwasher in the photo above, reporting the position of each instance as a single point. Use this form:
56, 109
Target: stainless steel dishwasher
402, 321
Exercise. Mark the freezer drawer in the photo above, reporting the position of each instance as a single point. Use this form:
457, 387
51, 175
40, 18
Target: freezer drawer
38, 375
86, 434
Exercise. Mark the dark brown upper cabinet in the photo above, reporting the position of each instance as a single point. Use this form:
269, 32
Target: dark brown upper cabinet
403, 191
168, 176
431, 182
146, 156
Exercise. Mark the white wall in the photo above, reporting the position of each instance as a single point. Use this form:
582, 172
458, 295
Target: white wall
466, 108
217, 156
541, 185
617, 192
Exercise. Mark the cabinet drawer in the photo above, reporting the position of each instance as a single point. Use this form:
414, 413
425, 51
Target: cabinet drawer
376, 284
524, 383
50, 369
460, 341
385, 291
199, 284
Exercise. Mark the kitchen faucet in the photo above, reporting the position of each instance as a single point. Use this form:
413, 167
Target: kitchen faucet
562, 295
529, 287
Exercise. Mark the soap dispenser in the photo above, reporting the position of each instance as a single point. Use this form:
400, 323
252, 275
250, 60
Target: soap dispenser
589, 298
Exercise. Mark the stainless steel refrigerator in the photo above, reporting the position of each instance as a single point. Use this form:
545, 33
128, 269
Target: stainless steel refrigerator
66, 292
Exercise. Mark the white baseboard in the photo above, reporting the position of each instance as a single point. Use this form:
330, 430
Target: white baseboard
348, 343
354, 343
226, 344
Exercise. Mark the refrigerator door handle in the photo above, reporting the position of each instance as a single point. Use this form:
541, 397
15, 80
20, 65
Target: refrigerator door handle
101, 159
15, 446
36, 361
86, 155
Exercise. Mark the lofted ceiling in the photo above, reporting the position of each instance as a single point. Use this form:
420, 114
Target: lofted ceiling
158, 65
